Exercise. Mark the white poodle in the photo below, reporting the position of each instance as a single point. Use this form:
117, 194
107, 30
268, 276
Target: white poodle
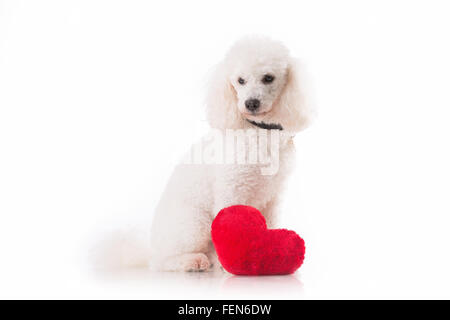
257, 86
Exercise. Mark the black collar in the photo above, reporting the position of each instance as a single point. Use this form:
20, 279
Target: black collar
267, 126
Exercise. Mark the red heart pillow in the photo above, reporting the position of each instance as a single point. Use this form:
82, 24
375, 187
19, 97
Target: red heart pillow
245, 246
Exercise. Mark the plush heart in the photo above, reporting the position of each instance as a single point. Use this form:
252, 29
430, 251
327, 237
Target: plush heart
245, 246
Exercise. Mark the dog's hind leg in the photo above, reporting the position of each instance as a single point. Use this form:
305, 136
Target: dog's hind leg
180, 240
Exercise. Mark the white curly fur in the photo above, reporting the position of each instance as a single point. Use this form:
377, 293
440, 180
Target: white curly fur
180, 235
180, 232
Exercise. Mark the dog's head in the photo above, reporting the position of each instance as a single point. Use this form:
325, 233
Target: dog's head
258, 84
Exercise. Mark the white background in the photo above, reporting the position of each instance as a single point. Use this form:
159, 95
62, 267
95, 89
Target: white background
99, 98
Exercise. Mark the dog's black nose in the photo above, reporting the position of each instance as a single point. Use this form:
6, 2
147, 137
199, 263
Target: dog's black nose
252, 104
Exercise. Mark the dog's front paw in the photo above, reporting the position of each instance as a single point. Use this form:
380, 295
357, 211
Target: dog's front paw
195, 262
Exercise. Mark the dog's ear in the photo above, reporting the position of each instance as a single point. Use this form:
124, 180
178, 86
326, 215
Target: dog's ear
295, 108
221, 101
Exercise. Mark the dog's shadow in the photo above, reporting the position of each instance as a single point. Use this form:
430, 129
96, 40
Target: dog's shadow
218, 283
284, 285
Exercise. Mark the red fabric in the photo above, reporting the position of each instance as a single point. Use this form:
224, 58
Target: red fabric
245, 246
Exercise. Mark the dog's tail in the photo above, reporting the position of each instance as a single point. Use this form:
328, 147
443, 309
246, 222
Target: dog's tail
121, 248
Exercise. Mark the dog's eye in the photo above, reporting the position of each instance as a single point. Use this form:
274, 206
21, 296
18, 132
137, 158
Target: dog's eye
268, 78
241, 81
